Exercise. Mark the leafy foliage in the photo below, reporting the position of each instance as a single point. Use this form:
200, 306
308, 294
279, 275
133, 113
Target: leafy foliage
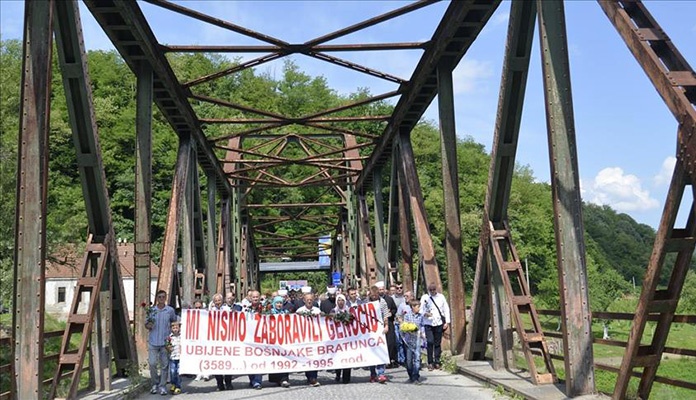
618, 248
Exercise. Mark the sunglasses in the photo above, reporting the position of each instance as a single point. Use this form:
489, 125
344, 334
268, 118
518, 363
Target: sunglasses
399, 287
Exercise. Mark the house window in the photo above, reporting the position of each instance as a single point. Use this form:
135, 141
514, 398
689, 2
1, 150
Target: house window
61, 294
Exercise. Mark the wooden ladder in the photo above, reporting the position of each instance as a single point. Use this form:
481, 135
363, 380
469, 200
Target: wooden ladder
90, 281
531, 335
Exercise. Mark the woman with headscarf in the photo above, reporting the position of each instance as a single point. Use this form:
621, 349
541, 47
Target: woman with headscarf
341, 307
277, 308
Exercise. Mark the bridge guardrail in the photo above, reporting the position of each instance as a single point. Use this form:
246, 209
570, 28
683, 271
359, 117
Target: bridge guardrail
687, 319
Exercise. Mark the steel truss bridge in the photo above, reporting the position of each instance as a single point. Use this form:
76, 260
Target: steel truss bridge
222, 252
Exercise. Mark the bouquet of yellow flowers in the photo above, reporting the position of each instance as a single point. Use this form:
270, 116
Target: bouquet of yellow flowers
409, 327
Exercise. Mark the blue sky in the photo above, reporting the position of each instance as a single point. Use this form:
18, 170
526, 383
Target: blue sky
626, 135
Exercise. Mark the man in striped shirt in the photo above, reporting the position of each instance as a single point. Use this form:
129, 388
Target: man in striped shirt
159, 323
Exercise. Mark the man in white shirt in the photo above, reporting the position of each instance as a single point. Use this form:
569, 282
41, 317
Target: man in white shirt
436, 319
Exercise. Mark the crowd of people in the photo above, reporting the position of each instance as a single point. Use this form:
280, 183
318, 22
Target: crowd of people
409, 325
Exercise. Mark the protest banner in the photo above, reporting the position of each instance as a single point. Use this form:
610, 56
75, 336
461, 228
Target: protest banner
240, 343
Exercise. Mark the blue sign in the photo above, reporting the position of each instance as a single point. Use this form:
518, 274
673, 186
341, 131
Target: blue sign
335, 278
325, 251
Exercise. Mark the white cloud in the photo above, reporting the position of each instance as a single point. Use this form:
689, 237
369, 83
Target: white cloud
469, 74
501, 19
665, 175
621, 191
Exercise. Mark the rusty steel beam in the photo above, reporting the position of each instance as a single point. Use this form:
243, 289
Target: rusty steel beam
404, 226
287, 48
72, 59
368, 262
392, 229
199, 248
170, 243
487, 302
295, 205
143, 204
567, 203
670, 73
211, 271
426, 251
32, 186
188, 259
450, 186
275, 49
460, 25
370, 22
240, 121
127, 28
675, 81
379, 236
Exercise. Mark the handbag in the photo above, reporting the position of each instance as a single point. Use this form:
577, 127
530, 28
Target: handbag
442, 317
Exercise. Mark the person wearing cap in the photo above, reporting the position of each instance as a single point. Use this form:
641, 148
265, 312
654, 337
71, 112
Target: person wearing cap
299, 301
329, 303
309, 307
391, 335
436, 319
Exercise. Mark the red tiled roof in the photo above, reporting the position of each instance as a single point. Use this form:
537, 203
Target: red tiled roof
65, 263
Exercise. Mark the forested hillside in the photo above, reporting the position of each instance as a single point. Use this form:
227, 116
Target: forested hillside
618, 248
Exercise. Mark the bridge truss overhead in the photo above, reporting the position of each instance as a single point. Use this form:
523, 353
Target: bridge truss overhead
257, 160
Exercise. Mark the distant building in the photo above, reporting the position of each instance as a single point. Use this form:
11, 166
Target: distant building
63, 270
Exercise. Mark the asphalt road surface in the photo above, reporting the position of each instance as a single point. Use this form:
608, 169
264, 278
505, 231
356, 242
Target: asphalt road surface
437, 385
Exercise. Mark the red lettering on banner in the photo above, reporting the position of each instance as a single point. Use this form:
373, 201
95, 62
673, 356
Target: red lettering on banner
318, 333
330, 328
372, 312
226, 326
286, 328
303, 327
274, 337
295, 328
192, 322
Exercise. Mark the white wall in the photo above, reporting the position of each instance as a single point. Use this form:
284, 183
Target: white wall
60, 310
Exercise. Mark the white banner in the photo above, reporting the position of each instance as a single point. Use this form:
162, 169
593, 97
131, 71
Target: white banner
240, 343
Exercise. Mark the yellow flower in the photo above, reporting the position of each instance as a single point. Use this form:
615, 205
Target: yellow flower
409, 327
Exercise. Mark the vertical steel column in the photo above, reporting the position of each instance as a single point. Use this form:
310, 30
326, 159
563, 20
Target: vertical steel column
501, 320
420, 219
143, 202
99, 349
392, 240
235, 229
567, 204
404, 226
675, 81
211, 239
379, 238
30, 221
352, 236
450, 186
367, 243
489, 302
168, 261
187, 233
